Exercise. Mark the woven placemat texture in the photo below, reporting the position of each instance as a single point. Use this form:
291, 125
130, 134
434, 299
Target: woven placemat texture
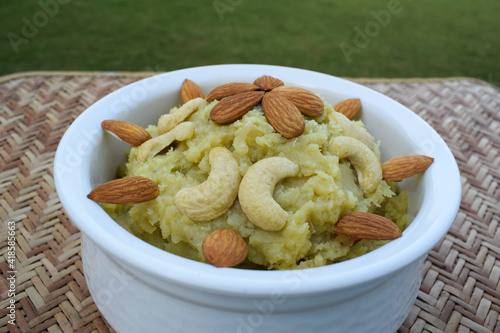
460, 291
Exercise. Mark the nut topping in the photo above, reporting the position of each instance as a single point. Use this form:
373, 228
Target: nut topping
361, 225
125, 191
308, 103
224, 248
402, 167
234, 107
283, 115
268, 83
130, 133
348, 107
230, 89
190, 90
284, 121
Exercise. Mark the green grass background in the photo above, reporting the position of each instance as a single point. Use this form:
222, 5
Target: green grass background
438, 38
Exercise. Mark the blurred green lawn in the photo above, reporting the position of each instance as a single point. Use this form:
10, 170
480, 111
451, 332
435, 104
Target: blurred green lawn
359, 38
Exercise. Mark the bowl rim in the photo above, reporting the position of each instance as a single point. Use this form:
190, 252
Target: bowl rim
142, 257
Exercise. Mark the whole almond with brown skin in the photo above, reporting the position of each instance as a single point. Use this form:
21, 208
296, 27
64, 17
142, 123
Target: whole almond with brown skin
125, 191
127, 132
191, 90
230, 89
348, 107
308, 103
234, 107
224, 248
268, 83
283, 115
361, 225
399, 168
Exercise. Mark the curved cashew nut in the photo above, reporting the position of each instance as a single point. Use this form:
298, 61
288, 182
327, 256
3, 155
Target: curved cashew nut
361, 157
216, 195
153, 146
349, 128
170, 120
256, 192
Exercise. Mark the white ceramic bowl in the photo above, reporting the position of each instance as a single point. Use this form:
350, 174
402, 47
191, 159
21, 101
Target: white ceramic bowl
139, 288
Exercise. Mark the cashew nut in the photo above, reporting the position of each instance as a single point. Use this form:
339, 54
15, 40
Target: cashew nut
256, 192
216, 195
361, 157
170, 120
349, 128
153, 146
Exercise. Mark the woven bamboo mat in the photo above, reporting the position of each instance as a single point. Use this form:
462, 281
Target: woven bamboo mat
460, 290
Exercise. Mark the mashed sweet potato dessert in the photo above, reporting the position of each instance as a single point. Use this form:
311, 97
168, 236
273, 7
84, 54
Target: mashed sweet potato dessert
282, 187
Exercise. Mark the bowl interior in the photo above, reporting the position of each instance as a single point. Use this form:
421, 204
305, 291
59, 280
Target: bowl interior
86, 158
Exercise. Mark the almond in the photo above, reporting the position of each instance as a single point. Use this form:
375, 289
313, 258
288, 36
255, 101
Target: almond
191, 90
124, 191
268, 83
348, 107
234, 107
283, 116
361, 225
224, 248
308, 103
230, 89
399, 168
127, 132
